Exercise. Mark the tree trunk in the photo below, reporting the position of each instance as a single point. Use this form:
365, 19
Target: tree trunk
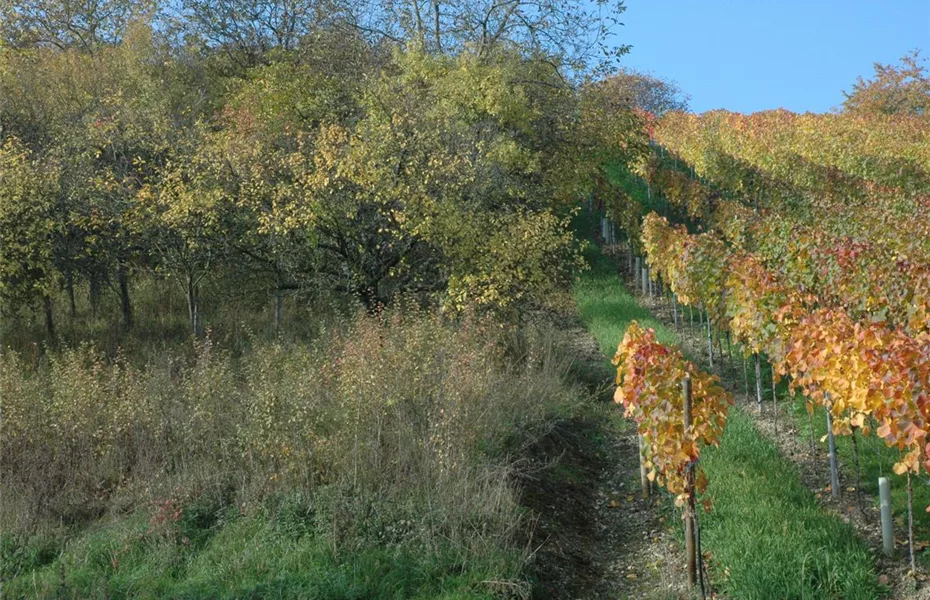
69, 283
49, 319
277, 311
125, 301
193, 306
437, 32
421, 35
93, 294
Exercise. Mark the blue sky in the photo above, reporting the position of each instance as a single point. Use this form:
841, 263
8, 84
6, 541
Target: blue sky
749, 55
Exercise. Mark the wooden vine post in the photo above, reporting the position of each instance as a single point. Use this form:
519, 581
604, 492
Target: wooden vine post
710, 341
649, 377
774, 401
759, 382
643, 472
746, 377
690, 547
910, 524
834, 471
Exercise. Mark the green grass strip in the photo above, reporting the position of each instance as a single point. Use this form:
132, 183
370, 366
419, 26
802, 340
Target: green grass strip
251, 557
766, 535
875, 460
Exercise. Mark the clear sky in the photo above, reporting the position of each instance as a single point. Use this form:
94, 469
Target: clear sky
749, 55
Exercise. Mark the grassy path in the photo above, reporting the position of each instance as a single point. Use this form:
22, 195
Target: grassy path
766, 536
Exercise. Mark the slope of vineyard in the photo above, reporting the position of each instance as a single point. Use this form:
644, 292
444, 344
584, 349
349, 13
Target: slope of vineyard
803, 260
868, 262
751, 486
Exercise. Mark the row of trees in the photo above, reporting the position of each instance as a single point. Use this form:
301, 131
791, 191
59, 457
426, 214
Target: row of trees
367, 149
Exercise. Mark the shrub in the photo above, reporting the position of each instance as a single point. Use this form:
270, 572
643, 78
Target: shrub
398, 428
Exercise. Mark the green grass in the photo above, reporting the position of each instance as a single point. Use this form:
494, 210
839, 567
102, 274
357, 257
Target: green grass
875, 460
766, 530
606, 307
766, 534
251, 557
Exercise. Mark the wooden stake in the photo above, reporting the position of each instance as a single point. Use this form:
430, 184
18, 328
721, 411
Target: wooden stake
810, 418
759, 382
710, 343
774, 402
746, 376
855, 446
690, 549
834, 471
643, 476
910, 523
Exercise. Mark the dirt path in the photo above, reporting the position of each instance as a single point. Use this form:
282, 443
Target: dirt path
598, 538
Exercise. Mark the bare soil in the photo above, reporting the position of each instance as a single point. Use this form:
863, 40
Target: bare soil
596, 536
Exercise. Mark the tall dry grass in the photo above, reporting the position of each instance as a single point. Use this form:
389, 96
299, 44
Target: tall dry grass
393, 427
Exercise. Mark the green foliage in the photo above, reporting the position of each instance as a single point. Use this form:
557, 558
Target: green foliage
332, 166
29, 225
894, 89
257, 555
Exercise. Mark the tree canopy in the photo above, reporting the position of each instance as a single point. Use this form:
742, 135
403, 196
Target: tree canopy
303, 146
893, 89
